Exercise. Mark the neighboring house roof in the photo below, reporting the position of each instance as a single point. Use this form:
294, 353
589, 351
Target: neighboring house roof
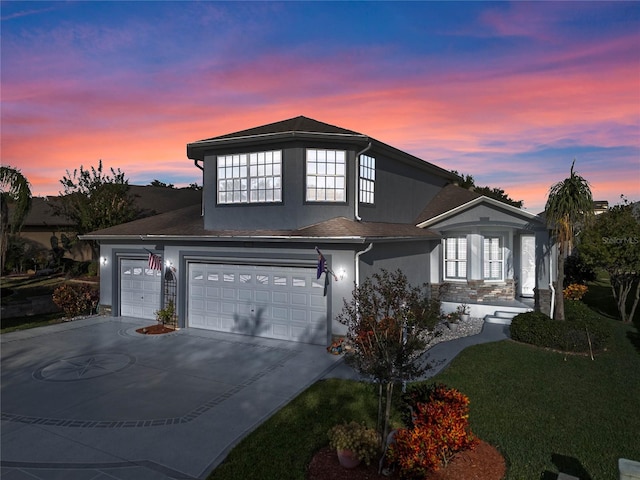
41, 214
151, 200
452, 200
299, 128
187, 223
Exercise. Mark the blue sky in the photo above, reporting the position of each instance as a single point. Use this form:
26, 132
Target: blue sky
510, 92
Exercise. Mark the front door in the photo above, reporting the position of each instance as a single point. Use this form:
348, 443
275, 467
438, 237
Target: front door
527, 265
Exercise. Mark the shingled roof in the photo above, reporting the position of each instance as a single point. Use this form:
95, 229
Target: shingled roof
296, 124
187, 223
448, 198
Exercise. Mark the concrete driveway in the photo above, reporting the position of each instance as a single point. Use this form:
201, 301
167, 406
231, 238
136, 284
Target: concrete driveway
93, 399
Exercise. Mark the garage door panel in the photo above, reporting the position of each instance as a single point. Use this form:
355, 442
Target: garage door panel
299, 315
280, 297
266, 301
197, 290
227, 308
262, 297
245, 295
228, 293
281, 330
280, 313
212, 292
299, 299
213, 306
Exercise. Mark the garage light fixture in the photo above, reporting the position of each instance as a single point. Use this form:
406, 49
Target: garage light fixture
103, 260
342, 273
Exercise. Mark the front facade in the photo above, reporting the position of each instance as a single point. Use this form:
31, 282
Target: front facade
245, 261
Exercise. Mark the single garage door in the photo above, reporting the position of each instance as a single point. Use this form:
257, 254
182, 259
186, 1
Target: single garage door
139, 289
275, 302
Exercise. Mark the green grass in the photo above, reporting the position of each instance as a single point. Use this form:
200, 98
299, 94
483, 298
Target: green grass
23, 287
600, 299
545, 411
282, 447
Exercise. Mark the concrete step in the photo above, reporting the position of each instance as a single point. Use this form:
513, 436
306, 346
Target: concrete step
501, 317
497, 320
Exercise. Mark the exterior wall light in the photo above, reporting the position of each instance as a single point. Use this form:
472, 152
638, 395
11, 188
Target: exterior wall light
342, 273
103, 260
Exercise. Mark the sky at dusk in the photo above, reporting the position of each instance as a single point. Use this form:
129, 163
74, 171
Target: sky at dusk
510, 93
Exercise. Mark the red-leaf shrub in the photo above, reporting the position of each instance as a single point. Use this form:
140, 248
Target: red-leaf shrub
76, 300
440, 428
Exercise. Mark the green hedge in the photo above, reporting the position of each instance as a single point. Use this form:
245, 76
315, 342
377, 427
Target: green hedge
570, 335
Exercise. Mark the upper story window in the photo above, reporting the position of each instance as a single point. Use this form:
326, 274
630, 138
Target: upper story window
493, 258
455, 258
367, 179
250, 177
326, 176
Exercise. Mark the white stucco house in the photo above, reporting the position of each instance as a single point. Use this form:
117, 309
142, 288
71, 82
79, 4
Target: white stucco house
245, 260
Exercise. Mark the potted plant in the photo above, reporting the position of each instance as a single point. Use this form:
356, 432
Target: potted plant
452, 319
354, 443
463, 311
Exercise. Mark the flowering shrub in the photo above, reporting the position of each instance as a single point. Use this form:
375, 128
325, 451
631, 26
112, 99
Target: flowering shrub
575, 291
439, 429
76, 300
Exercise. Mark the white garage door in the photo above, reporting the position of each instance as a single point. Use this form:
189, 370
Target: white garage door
275, 302
139, 289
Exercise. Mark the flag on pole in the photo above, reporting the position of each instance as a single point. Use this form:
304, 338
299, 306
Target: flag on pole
155, 262
321, 265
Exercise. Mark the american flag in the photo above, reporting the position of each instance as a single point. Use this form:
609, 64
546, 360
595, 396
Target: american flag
155, 262
321, 265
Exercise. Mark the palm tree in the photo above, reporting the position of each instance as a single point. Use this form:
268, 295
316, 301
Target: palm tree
569, 205
14, 188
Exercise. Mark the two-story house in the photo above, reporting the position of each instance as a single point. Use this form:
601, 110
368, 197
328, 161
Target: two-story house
245, 261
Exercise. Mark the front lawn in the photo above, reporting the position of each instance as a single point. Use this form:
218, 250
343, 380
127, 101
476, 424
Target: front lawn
545, 411
19, 289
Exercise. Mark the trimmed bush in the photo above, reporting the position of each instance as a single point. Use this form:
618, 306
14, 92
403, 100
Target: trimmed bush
571, 335
75, 300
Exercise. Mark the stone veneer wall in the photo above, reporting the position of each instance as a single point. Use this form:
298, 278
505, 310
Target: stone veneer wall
543, 301
475, 291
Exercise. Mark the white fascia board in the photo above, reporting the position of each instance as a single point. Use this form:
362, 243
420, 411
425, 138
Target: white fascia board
473, 203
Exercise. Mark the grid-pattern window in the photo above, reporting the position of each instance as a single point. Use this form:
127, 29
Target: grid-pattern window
367, 179
250, 177
455, 258
493, 258
326, 176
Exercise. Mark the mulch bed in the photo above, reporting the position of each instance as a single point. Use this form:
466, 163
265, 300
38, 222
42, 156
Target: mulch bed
158, 329
484, 462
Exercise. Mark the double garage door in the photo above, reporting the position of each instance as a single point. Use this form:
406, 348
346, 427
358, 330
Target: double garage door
286, 303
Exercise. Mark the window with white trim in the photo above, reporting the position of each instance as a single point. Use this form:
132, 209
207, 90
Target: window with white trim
493, 263
250, 177
367, 179
455, 258
326, 176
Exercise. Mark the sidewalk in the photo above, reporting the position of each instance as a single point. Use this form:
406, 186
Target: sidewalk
441, 354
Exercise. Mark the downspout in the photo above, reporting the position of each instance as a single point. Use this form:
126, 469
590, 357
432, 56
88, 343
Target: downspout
357, 269
195, 162
553, 290
357, 189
